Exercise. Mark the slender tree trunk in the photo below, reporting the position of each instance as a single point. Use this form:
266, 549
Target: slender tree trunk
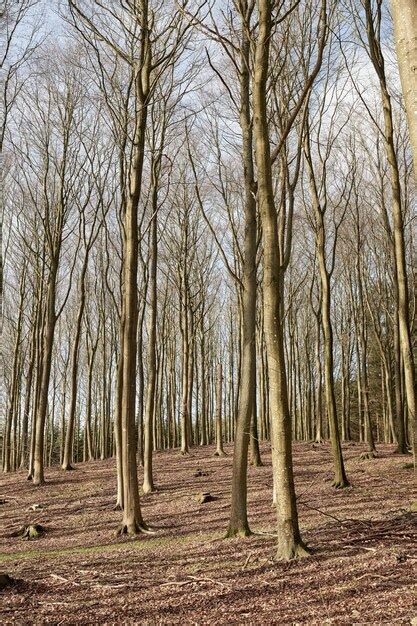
219, 423
88, 432
290, 544
148, 484
404, 14
69, 436
141, 383
38, 477
14, 387
340, 479
132, 521
28, 391
363, 369
203, 425
185, 374
246, 412
400, 430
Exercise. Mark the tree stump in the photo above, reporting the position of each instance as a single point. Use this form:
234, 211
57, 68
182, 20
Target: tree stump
5, 581
202, 498
33, 531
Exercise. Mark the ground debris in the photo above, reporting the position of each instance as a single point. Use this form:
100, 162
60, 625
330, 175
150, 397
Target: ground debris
362, 539
201, 472
35, 507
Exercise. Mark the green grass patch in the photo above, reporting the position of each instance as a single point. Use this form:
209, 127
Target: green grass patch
141, 543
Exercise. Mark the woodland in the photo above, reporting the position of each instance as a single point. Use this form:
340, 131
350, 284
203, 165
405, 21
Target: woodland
208, 311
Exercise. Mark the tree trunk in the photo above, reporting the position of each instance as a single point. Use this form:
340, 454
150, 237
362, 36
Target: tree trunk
340, 479
185, 371
148, 485
290, 544
29, 390
132, 521
404, 15
38, 476
246, 412
219, 424
7, 448
69, 436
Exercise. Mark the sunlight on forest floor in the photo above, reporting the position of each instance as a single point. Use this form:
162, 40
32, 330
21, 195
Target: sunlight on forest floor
361, 569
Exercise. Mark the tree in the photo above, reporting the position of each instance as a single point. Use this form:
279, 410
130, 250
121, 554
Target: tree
404, 15
373, 26
290, 544
219, 425
88, 235
320, 205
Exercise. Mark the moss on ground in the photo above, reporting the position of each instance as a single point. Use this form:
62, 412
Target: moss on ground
140, 543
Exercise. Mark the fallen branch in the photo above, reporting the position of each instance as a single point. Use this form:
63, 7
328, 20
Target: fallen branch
247, 560
362, 548
64, 580
371, 574
191, 581
322, 512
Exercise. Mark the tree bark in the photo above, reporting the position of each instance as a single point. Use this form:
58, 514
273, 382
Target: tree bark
69, 436
132, 521
340, 479
148, 484
404, 15
38, 476
246, 412
219, 423
290, 544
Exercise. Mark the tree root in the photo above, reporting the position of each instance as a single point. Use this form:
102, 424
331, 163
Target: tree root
365, 456
148, 489
220, 453
118, 507
38, 483
402, 451
289, 553
239, 532
68, 468
135, 529
340, 484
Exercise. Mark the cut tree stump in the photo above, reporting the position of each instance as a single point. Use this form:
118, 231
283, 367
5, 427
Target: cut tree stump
202, 498
5, 581
33, 531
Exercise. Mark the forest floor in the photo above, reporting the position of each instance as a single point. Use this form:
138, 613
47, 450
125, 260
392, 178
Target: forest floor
362, 569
